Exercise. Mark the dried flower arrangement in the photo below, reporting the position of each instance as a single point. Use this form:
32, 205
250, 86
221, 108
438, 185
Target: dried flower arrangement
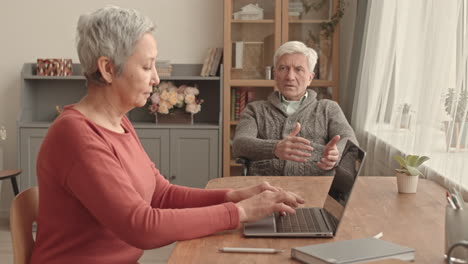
167, 97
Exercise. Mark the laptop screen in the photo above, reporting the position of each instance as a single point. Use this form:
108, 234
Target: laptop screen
346, 173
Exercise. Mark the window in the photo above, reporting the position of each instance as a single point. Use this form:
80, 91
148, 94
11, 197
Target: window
412, 96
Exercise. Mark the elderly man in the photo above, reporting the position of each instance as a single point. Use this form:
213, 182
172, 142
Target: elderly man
292, 133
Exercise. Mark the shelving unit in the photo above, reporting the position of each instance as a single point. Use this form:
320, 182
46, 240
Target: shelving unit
276, 28
185, 154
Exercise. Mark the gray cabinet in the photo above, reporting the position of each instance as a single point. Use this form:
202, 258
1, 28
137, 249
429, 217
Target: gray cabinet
186, 154
194, 157
30, 142
188, 157
156, 144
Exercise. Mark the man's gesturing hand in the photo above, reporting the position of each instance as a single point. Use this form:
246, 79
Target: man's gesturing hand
292, 147
330, 154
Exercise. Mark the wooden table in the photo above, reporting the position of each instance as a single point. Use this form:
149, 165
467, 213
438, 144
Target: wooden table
413, 220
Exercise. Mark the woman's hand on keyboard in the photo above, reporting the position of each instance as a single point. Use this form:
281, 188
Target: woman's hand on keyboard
266, 203
247, 192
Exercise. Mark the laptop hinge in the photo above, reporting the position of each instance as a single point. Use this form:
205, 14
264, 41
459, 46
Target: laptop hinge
325, 216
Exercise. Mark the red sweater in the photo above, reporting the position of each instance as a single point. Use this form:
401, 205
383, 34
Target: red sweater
101, 200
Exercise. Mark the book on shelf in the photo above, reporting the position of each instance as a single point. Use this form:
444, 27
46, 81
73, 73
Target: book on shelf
242, 100
164, 72
207, 62
164, 68
240, 97
295, 9
352, 251
237, 54
210, 62
216, 61
233, 102
237, 105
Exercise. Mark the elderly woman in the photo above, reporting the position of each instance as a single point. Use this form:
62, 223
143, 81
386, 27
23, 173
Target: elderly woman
292, 133
101, 198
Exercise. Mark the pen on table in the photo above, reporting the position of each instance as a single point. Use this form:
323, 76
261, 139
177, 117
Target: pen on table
456, 202
451, 203
459, 198
250, 250
449, 199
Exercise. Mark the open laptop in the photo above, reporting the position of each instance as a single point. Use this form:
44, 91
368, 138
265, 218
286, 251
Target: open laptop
315, 221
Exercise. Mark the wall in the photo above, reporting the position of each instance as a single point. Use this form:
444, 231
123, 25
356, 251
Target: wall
46, 29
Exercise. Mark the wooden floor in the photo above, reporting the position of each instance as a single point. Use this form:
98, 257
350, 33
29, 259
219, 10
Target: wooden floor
155, 256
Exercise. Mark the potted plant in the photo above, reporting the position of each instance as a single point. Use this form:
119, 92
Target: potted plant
457, 129
408, 173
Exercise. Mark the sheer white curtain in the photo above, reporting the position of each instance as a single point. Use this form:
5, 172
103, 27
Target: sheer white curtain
411, 85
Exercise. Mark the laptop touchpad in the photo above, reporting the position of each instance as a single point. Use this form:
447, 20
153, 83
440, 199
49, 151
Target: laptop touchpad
266, 225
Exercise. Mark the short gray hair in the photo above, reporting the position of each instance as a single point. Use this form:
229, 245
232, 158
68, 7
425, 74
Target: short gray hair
297, 47
111, 32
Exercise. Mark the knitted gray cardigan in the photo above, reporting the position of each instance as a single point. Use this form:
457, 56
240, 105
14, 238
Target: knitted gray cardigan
265, 123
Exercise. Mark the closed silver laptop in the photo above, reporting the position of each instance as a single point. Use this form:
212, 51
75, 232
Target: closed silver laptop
316, 221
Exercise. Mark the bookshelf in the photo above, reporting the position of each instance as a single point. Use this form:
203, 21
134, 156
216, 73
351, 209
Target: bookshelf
281, 22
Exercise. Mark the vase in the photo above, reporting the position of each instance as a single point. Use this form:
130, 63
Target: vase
458, 136
405, 121
407, 183
178, 116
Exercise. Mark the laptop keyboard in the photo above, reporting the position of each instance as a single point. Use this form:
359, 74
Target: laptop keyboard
305, 220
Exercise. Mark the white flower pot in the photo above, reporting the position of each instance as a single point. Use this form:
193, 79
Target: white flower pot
407, 184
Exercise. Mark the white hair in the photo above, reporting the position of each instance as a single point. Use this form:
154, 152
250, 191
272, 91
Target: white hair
297, 47
111, 32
